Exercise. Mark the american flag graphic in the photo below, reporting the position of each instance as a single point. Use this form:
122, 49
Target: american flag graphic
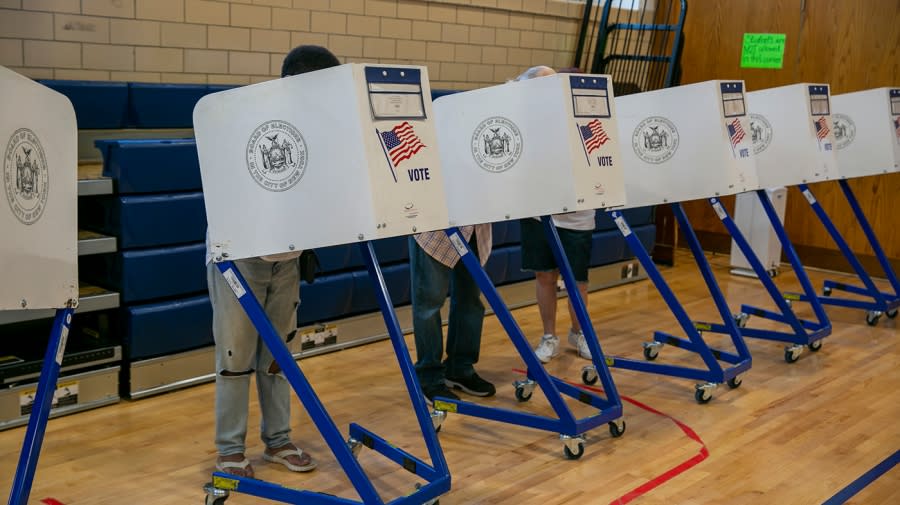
401, 142
593, 136
735, 132
821, 128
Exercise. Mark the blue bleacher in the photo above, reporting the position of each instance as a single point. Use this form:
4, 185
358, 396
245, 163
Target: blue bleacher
146, 220
159, 328
147, 274
151, 166
97, 104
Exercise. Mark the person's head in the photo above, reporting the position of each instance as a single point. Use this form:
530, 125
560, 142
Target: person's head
304, 59
538, 71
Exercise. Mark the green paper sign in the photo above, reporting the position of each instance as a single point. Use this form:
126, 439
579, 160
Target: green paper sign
763, 50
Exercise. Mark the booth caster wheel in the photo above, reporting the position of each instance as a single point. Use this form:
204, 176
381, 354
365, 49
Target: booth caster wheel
573, 447
617, 428
522, 396
735, 382
792, 353
790, 303
437, 419
815, 346
214, 495
741, 319
872, 317
703, 393
435, 501
589, 375
891, 314
826, 291
651, 350
772, 272
524, 389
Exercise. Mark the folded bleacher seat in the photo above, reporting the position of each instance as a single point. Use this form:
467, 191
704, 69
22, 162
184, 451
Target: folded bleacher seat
151, 166
168, 327
163, 105
148, 274
146, 220
98, 104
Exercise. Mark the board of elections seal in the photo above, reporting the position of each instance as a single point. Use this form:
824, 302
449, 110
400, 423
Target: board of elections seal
655, 139
26, 176
276, 155
760, 132
844, 130
496, 144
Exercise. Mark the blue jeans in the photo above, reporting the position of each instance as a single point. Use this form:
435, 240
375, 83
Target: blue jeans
240, 352
430, 282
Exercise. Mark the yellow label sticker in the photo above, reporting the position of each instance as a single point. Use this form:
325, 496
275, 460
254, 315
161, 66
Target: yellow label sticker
702, 326
445, 406
791, 296
610, 361
225, 483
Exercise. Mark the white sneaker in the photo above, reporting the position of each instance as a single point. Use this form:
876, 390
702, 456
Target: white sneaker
548, 348
577, 341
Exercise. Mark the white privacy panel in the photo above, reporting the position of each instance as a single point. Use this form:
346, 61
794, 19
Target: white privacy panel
867, 131
38, 211
329, 157
793, 134
530, 148
686, 143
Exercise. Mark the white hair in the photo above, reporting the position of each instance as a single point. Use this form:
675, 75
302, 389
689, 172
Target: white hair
535, 71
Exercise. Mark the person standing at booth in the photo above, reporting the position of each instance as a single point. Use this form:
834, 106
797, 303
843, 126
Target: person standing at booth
435, 267
575, 231
241, 352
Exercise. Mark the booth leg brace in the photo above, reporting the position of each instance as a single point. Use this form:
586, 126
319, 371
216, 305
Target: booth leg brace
877, 302
437, 477
40, 409
565, 423
714, 373
803, 332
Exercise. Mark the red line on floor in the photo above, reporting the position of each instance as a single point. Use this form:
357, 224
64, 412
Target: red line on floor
668, 474
52, 501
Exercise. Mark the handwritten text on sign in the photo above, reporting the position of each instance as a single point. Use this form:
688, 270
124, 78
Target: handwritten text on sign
763, 50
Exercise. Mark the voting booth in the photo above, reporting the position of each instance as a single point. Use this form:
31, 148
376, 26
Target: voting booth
866, 128
867, 131
38, 223
524, 149
686, 143
795, 135
791, 131
679, 144
504, 162
341, 155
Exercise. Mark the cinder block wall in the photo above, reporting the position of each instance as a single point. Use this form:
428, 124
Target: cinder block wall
464, 43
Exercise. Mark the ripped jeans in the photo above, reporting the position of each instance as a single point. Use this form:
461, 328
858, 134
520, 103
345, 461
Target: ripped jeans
240, 352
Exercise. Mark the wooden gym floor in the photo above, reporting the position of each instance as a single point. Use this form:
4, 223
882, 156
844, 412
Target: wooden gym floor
791, 434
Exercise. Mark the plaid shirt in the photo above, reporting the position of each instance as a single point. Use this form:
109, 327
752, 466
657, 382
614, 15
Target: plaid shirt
437, 244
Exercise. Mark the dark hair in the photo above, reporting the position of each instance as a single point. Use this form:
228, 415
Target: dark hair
304, 59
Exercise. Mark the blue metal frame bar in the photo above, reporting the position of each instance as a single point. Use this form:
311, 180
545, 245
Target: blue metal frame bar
786, 315
581, 312
880, 302
565, 422
320, 417
713, 371
40, 409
